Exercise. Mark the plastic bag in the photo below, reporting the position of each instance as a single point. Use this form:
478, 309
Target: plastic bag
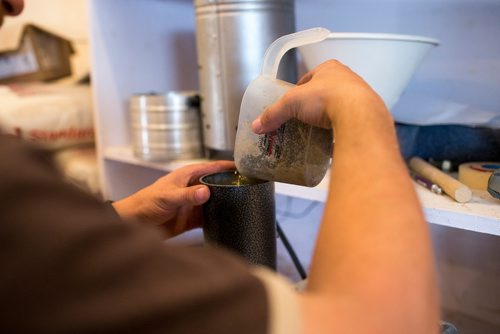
55, 116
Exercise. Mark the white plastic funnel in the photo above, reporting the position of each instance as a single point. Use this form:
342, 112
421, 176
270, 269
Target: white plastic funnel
385, 61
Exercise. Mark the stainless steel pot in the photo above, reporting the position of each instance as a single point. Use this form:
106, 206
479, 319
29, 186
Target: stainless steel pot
232, 37
166, 126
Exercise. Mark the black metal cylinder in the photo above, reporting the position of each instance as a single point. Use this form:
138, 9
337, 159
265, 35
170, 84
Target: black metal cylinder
240, 215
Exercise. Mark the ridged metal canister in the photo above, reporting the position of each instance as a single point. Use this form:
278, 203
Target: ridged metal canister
232, 37
167, 126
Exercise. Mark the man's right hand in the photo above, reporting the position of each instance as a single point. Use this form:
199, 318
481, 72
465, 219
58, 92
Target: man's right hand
321, 98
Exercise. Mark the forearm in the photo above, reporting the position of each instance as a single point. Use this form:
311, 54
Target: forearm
372, 269
130, 208
373, 244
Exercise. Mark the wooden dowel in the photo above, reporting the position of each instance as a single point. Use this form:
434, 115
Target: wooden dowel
455, 189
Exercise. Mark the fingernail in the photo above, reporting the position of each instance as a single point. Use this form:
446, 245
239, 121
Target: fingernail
200, 195
257, 126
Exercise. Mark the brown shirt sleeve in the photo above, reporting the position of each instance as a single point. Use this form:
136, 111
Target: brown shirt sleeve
69, 265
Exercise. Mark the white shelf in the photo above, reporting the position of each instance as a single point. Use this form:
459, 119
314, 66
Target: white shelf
125, 154
481, 214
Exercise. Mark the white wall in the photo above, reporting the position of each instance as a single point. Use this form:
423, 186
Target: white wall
464, 68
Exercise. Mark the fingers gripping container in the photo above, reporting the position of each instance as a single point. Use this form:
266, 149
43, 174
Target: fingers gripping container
295, 153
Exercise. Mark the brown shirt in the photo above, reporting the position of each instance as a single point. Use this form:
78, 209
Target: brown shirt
69, 265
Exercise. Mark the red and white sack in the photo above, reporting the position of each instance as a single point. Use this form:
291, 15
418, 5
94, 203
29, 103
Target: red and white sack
55, 116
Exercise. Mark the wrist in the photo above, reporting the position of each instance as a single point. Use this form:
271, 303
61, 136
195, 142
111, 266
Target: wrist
366, 124
126, 208
366, 108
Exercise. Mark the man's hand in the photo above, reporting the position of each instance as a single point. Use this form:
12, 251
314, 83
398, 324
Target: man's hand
323, 97
174, 201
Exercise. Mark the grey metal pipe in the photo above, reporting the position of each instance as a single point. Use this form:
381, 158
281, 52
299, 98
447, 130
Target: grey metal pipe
232, 37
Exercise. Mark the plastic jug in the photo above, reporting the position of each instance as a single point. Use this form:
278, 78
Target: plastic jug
296, 153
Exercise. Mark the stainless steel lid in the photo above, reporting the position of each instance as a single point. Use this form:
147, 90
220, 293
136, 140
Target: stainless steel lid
224, 6
215, 2
165, 102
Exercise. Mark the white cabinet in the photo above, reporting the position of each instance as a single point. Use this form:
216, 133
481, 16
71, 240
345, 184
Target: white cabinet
140, 46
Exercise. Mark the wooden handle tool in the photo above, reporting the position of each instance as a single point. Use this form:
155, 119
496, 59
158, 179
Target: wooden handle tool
455, 189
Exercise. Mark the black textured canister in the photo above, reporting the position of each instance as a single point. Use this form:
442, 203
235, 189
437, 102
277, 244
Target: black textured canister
240, 215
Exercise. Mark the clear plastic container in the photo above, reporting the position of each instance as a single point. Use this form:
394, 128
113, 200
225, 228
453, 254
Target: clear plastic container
296, 153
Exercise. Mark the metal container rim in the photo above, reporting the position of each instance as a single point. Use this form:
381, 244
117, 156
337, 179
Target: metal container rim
255, 182
169, 99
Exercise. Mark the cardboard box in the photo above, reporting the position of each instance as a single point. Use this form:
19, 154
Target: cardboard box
40, 56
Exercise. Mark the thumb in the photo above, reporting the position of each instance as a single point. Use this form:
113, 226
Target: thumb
201, 194
277, 113
194, 195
